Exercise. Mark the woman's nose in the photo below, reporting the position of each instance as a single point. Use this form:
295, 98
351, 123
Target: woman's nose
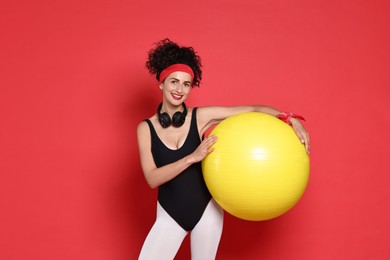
179, 87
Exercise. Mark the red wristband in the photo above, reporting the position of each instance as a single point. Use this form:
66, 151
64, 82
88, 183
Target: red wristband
286, 117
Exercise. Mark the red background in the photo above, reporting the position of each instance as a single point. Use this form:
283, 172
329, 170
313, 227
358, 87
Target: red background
74, 86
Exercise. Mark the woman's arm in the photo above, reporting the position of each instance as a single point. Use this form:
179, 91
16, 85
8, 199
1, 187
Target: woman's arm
211, 115
155, 176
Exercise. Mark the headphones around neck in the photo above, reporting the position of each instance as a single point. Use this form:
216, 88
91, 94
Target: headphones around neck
178, 118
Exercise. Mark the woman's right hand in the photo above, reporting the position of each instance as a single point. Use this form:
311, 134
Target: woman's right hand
204, 148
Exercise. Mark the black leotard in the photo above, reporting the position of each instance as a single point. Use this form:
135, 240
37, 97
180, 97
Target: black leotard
186, 196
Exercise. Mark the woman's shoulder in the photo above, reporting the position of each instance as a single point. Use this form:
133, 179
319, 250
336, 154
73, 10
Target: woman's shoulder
144, 123
203, 110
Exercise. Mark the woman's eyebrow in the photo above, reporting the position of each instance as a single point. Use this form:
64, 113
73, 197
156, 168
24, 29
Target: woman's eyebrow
187, 81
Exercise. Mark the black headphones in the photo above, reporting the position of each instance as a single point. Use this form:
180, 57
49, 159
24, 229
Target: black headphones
178, 118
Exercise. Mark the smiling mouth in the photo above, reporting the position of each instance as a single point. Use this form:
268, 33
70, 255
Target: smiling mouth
177, 97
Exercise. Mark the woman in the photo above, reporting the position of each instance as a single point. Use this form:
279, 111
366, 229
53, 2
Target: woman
171, 149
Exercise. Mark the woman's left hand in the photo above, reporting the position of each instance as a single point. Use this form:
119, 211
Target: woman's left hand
301, 132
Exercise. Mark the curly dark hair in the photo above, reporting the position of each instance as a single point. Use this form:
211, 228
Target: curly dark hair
167, 53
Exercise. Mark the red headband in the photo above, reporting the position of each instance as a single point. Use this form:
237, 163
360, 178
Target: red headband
176, 67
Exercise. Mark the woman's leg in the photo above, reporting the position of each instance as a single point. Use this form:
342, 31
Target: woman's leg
207, 233
164, 239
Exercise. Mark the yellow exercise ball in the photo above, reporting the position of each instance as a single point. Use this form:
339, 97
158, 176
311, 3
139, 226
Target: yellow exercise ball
259, 168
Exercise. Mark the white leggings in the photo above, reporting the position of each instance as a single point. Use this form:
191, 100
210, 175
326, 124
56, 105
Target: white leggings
166, 236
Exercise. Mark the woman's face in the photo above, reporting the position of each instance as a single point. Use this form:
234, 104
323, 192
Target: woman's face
176, 87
